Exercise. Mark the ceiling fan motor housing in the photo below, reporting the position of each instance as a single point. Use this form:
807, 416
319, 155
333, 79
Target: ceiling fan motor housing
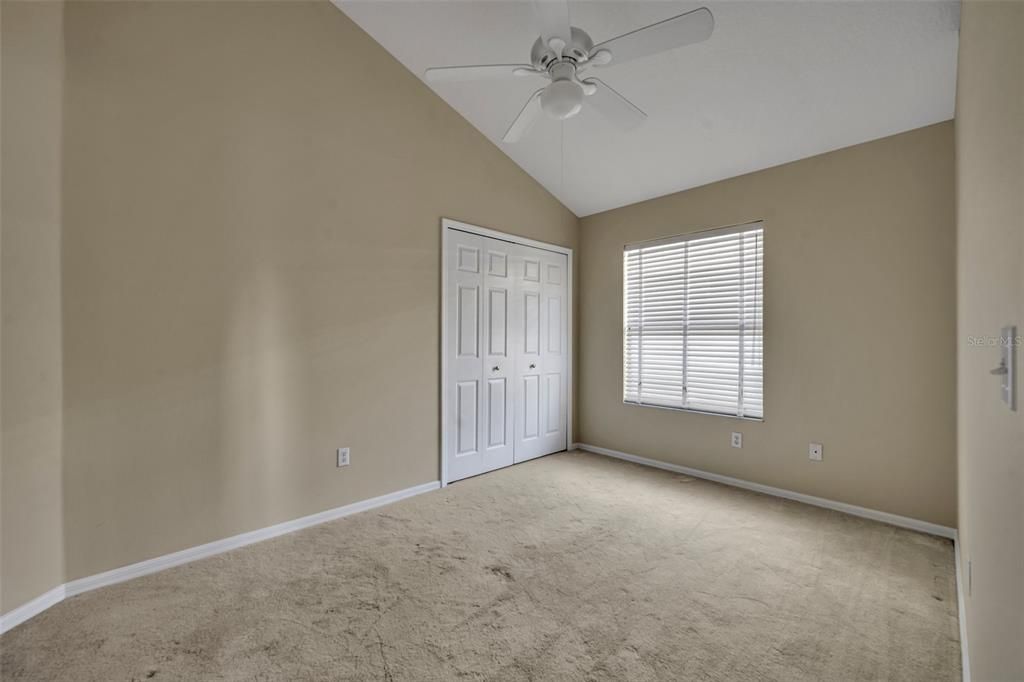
543, 56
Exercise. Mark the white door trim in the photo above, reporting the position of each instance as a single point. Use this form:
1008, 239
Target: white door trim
447, 225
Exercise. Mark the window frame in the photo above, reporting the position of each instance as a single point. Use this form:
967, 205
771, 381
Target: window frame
681, 238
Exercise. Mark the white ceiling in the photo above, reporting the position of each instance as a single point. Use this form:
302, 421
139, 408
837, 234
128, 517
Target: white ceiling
777, 81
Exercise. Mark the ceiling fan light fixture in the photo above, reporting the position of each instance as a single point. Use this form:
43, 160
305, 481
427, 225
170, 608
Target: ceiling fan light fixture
563, 53
562, 99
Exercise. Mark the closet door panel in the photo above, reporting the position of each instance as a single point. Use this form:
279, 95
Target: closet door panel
465, 333
499, 364
541, 310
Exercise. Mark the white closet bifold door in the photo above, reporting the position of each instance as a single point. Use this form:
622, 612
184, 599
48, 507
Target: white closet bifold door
479, 419
506, 352
541, 324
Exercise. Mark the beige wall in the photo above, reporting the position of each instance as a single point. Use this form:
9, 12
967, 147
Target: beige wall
251, 252
31, 541
990, 202
251, 268
859, 327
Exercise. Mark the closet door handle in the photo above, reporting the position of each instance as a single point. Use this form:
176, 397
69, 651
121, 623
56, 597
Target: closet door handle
533, 366
495, 368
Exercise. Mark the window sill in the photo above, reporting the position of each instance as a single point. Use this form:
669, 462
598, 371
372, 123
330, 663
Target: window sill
693, 411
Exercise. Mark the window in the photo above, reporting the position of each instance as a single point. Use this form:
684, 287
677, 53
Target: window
692, 318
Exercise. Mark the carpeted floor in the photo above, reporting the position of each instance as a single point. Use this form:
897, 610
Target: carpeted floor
570, 567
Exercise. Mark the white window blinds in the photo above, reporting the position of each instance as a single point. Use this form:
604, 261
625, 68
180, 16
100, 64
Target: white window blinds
693, 322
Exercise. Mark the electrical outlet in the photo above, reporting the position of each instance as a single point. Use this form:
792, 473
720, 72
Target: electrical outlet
343, 457
737, 439
814, 452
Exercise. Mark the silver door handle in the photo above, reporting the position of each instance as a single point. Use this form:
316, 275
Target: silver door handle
495, 368
1001, 369
532, 366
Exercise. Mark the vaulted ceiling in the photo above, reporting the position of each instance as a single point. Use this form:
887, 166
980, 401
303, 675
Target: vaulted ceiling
777, 81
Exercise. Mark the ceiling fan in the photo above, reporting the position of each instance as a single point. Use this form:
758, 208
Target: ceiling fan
564, 53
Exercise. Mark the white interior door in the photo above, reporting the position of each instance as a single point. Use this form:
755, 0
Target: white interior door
479, 418
540, 321
498, 360
506, 353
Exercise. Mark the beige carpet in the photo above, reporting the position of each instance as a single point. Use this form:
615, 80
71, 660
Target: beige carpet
571, 567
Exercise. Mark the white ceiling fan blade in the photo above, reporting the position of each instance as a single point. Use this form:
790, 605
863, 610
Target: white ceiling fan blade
553, 21
525, 120
685, 29
613, 106
449, 74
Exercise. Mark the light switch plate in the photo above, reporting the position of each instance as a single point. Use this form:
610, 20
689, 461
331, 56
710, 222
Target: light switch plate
343, 457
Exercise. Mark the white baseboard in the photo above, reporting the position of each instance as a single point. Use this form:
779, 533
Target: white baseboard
117, 575
965, 659
27, 610
884, 517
